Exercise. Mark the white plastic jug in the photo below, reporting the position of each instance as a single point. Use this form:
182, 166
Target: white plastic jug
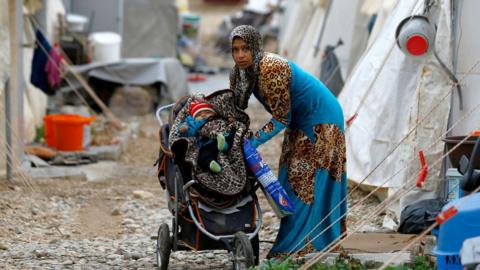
105, 46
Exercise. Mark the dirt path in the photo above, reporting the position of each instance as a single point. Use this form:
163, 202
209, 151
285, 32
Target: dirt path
76, 224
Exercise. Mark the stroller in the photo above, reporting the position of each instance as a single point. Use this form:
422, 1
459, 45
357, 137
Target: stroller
203, 219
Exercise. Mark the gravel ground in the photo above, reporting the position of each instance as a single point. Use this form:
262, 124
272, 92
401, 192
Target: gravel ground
110, 224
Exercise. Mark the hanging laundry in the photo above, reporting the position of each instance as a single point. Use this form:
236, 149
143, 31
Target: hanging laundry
54, 67
39, 76
330, 73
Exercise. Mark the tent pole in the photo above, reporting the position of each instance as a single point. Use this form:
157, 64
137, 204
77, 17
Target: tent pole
15, 17
322, 30
8, 131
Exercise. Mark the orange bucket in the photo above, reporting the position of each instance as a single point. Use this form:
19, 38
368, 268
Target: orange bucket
49, 130
65, 131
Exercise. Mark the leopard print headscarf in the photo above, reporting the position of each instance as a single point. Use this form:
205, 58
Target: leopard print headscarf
242, 81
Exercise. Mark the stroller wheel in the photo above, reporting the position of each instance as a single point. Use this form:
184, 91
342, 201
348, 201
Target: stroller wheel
164, 247
243, 257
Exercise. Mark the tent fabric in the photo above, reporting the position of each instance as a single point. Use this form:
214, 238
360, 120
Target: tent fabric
299, 15
383, 11
149, 28
392, 93
52, 9
385, 88
141, 71
300, 36
433, 92
467, 67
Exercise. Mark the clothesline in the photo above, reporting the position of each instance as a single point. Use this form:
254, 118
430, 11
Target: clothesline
391, 177
387, 156
378, 210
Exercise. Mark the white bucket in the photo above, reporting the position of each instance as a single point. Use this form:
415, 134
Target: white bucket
76, 22
105, 46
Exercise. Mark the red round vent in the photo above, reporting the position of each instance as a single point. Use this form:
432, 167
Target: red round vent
417, 44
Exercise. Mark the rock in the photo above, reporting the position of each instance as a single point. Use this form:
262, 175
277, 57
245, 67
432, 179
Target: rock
128, 221
40, 253
131, 100
53, 241
67, 262
115, 212
3, 246
34, 211
180, 256
210, 255
132, 256
140, 194
18, 231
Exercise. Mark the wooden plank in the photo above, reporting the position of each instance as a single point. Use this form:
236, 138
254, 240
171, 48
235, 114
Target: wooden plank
376, 242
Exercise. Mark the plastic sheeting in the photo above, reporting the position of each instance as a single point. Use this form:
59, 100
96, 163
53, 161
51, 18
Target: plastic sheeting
468, 67
392, 93
149, 28
141, 71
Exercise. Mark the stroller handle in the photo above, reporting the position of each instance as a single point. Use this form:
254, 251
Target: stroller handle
159, 110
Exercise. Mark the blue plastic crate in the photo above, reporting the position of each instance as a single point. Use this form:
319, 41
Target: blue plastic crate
449, 262
465, 224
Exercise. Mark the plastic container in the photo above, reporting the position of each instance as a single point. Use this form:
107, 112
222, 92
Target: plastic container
190, 25
470, 252
65, 132
453, 185
274, 192
49, 130
449, 262
465, 224
105, 46
69, 131
76, 22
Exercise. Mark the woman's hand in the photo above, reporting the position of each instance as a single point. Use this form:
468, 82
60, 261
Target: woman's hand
183, 128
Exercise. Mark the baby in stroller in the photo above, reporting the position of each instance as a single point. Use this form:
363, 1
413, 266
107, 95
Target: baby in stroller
211, 209
200, 113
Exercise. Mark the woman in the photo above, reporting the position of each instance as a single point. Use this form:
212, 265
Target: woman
312, 164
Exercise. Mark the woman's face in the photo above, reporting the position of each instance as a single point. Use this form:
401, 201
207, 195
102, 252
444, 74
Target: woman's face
242, 55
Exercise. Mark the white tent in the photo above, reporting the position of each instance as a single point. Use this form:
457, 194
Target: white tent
300, 35
403, 105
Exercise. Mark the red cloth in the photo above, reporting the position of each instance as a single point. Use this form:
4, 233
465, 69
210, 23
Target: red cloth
54, 67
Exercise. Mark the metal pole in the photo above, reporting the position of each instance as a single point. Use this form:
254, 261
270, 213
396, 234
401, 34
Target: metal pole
322, 30
8, 131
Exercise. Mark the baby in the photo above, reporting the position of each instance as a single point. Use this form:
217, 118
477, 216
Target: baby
200, 113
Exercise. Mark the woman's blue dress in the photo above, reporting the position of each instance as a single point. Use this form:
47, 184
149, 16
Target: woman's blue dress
312, 165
